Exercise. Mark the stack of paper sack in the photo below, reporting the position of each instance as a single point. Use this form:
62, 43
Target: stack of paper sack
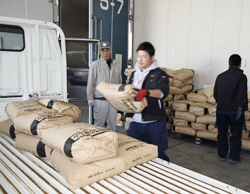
80, 152
180, 83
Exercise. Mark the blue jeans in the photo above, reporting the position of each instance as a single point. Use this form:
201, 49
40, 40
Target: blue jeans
223, 121
153, 133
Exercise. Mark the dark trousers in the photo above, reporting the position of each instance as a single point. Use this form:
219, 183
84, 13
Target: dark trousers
153, 133
223, 121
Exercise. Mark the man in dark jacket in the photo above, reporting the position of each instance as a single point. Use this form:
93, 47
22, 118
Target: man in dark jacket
230, 93
152, 83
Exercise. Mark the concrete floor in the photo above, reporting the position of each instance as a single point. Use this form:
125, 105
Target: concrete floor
202, 158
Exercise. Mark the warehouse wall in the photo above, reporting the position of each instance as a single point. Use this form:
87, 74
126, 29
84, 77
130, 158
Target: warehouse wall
27, 9
195, 34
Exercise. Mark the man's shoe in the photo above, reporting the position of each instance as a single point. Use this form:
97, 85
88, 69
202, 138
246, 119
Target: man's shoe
231, 161
223, 159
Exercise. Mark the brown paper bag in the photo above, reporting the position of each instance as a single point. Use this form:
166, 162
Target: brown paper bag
121, 97
175, 90
182, 105
170, 81
179, 97
248, 125
207, 119
182, 74
36, 123
247, 115
7, 128
245, 143
168, 104
32, 145
16, 109
212, 129
182, 123
169, 97
212, 109
199, 126
199, 91
184, 115
209, 92
199, 109
196, 97
62, 107
211, 100
184, 130
80, 175
82, 142
135, 152
178, 83
207, 135
245, 134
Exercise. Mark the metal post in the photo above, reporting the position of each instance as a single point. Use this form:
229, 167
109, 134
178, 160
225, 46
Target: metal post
90, 50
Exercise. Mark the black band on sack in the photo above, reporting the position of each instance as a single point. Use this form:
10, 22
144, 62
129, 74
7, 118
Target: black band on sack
12, 132
33, 126
40, 149
205, 111
68, 146
122, 88
50, 104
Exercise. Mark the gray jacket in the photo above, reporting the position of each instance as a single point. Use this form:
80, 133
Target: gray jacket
100, 71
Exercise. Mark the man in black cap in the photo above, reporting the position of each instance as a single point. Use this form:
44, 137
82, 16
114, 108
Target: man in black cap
230, 93
108, 70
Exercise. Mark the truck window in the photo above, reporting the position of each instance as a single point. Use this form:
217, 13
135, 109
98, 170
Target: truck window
11, 38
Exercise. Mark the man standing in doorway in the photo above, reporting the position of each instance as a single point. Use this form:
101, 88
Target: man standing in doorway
108, 70
230, 93
151, 82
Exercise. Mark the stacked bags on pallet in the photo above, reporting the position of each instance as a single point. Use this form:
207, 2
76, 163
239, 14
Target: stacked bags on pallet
195, 116
208, 120
180, 83
29, 119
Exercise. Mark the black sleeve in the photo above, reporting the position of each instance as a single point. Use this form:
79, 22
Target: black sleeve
241, 98
215, 90
163, 83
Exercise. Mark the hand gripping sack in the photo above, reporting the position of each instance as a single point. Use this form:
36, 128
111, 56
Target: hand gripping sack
121, 97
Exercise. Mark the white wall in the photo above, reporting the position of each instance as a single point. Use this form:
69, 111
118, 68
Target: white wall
27, 9
195, 34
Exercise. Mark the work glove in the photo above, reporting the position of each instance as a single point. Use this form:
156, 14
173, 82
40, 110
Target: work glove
141, 94
238, 113
91, 103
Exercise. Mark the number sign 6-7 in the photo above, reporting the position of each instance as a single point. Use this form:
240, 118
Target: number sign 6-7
104, 4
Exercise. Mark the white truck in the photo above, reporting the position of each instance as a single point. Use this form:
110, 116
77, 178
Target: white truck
32, 59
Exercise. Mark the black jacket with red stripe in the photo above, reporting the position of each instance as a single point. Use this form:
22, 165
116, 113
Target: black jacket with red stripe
155, 79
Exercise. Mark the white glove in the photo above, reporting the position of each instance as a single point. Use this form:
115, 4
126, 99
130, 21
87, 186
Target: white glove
91, 103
